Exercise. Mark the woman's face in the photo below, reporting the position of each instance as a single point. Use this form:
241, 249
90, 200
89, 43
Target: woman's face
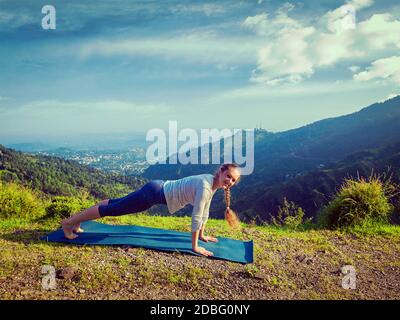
228, 177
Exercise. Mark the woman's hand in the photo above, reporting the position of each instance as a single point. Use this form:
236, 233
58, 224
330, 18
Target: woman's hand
203, 251
208, 238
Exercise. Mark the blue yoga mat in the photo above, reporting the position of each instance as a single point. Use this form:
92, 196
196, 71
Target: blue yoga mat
96, 233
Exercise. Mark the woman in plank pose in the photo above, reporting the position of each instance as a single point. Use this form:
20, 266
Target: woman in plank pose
197, 190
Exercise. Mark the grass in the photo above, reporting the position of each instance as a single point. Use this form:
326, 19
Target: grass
288, 263
373, 229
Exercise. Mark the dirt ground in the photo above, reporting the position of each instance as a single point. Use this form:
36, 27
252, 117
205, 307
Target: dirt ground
287, 266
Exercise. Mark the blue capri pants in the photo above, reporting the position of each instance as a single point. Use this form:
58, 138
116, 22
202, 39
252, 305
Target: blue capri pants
150, 194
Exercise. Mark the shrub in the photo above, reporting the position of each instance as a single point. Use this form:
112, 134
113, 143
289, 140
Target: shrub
289, 215
395, 201
8, 176
63, 207
358, 201
19, 202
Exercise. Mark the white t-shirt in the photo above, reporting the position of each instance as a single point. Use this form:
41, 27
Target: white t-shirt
196, 190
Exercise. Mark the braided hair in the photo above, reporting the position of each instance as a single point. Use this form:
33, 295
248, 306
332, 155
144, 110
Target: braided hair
230, 215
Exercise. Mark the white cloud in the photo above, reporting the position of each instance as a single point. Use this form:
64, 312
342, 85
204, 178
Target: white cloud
286, 49
199, 47
77, 14
209, 9
294, 49
354, 69
285, 8
258, 23
344, 17
387, 69
12, 20
285, 59
262, 91
330, 48
262, 25
380, 31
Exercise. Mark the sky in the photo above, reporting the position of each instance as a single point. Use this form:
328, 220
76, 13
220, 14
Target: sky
123, 66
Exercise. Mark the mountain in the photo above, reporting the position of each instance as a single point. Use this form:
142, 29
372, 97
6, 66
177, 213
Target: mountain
315, 189
287, 156
55, 176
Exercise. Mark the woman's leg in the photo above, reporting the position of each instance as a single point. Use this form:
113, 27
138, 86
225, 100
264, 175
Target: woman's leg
77, 227
73, 223
103, 203
138, 201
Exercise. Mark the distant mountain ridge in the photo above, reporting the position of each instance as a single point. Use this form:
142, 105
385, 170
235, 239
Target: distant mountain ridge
315, 189
290, 155
305, 165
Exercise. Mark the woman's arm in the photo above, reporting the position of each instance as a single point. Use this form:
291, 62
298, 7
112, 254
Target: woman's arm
202, 199
195, 246
206, 238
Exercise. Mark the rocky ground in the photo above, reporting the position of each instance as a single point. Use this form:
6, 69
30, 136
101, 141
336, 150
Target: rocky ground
288, 265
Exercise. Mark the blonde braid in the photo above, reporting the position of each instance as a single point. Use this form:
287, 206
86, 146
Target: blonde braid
227, 197
230, 215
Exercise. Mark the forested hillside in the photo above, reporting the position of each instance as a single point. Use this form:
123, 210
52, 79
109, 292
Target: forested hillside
55, 176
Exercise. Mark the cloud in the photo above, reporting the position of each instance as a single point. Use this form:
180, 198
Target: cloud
295, 49
261, 91
209, 9
286, 49
387, 69
199, 47
344, 17
380, 31
330, 48
354, 69
115, 108
263, 26
16, 19
285, 59
75, 15
258, 23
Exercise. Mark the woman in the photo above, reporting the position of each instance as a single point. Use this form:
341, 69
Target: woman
197, 190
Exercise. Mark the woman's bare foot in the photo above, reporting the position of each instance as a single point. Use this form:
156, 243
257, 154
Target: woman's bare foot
68, 230
77, 228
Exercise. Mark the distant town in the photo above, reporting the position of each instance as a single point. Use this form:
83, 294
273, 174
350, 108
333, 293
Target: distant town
127, 162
